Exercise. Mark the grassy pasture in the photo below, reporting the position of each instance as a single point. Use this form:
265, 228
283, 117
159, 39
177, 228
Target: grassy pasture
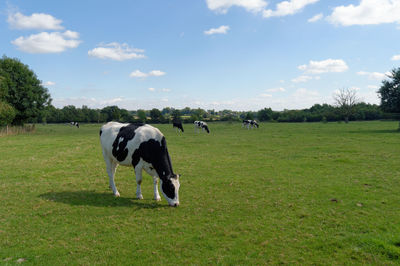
304, 193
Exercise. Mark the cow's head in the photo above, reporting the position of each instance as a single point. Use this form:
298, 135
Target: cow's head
170, 189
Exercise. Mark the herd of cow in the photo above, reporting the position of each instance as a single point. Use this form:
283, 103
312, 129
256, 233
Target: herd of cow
200, 125
144, 147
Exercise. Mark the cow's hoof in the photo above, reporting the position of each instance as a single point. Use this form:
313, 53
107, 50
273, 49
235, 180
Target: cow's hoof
116, 194
158, 199
139, 197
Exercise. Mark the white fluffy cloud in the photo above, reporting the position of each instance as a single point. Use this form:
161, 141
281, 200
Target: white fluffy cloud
269, 91
316, 18
140, 74
276, 90
220, 30
368, 12
91, 102
302, 78
71, 34
137, 74
324, 66
396, 57
116, 51
302, 92
222, 6
159, 90
285, 8
373, 75
48, 83
45, 42
37, 21
156, 73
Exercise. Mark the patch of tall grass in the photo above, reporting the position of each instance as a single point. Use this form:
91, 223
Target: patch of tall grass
15, 130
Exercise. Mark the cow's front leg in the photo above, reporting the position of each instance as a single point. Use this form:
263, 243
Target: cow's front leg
138, 174
111, 168
156, 194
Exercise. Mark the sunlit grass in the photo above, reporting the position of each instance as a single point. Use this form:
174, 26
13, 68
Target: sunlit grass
305, 193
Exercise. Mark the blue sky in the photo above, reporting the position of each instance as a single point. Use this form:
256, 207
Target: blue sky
212, 54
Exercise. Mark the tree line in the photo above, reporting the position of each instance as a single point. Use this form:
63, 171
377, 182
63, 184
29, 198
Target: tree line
23, 99
317, 113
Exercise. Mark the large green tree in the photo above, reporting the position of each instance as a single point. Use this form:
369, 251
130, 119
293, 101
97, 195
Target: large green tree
22, 89
390, 93
264, 114
176, 116
156, 116
113, 113
3, 88
141, 114
7, 112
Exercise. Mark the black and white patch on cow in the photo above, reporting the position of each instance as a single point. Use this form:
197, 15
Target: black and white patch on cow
200, 125
144, 147
74, 124
178, 126
250, 124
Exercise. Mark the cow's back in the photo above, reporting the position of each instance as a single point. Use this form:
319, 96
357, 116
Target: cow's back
119, 141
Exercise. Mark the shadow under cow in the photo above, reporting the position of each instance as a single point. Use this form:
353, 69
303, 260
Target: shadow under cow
98, 199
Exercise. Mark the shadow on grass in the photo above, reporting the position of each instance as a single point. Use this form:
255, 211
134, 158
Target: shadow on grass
378, 131
92, 198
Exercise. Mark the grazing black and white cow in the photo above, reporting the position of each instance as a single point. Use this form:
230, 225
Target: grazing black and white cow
75, 124
178, 126
250, 123
201, 125
143, 147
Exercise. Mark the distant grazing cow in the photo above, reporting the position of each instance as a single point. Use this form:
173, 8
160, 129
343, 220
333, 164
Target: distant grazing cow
143, 147
250, 123
75, 124
178, 126
201, 125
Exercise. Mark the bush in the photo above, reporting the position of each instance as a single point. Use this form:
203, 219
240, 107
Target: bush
7, 114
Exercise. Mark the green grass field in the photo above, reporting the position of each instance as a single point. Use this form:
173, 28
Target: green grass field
303, 193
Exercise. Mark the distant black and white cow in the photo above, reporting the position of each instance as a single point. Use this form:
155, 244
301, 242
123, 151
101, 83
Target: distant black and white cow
74, 124
201, 125
143, 147
250, 123
177, 125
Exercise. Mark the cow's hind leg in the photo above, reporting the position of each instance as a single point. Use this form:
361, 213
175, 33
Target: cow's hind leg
156, 194
138, 174
111, 168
